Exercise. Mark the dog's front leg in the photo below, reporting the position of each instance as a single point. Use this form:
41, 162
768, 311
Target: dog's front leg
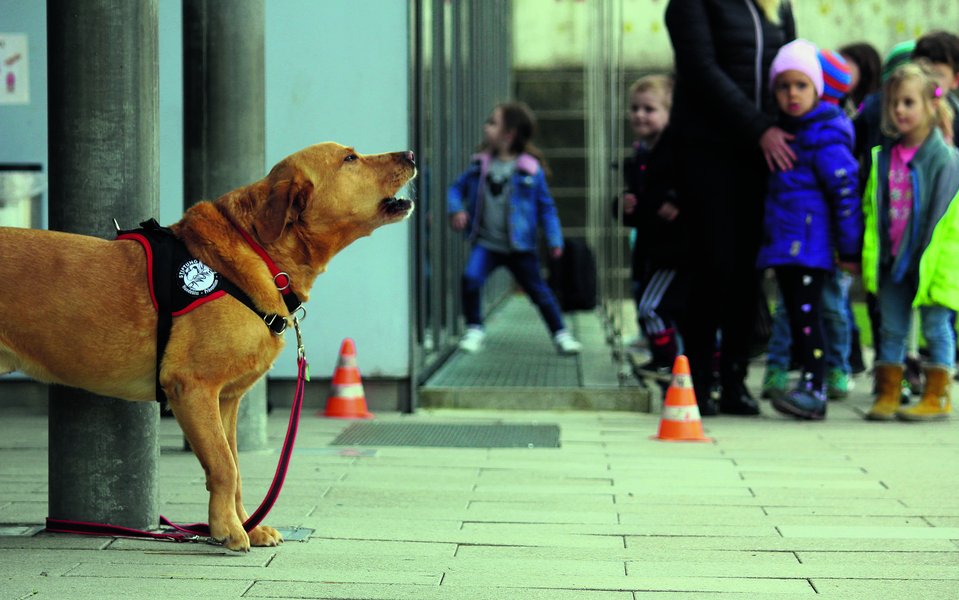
261, 535
197, 411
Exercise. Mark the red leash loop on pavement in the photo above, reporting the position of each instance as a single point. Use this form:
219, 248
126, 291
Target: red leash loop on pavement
192, 532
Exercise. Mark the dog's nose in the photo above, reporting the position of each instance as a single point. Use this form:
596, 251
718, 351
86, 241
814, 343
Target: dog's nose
409, 156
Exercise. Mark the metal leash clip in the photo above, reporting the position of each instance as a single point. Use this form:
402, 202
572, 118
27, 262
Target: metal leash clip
181, 538
300, 350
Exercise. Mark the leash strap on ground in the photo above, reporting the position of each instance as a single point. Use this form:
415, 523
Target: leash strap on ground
198, 532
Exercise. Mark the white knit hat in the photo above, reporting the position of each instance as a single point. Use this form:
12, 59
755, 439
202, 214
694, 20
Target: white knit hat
798, 55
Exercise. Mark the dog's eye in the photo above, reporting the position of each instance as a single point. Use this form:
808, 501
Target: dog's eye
350, 158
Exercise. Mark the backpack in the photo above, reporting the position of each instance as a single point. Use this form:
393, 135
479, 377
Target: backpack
573, 277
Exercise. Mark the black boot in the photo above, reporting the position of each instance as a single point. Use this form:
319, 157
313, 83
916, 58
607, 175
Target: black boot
735, 399
707, 404
703, 388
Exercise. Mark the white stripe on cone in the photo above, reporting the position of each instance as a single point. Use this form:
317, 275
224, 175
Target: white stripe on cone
681, 413
354, 390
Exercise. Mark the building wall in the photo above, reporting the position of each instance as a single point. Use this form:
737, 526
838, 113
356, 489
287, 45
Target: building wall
23, 127
554, 33
333, 73
336, 73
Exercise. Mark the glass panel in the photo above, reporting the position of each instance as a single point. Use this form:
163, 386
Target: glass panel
605, 89
461, 68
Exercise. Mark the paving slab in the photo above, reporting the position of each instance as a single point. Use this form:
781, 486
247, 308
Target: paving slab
119, 588
282, 589
674, 543
885, 589
650, 555
883, 559
636, 583
869, 532
359, 573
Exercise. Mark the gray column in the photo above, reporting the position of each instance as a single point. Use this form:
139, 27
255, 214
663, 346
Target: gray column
225, 128
103, 149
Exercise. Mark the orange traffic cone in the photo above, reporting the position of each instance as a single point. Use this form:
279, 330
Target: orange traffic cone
680, 421
346, 399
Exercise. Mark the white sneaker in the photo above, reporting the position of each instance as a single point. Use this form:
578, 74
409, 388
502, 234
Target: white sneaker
472, 340
566, 343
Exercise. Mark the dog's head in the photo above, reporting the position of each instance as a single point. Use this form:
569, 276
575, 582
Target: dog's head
329, 195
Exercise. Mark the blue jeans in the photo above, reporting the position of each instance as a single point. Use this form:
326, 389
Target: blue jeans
525, 269
835, 324
895, 307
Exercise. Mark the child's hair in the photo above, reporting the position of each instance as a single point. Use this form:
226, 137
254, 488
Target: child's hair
869, 62
938, 109
939, 47
663, 84
518, 117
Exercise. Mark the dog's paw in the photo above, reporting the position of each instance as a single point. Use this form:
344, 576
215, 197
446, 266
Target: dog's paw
237, 542
261, 535
232, 537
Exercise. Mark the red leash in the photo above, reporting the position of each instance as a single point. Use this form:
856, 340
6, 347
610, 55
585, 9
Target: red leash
198, 532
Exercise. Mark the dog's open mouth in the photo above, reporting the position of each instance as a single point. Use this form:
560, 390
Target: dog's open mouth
396, 206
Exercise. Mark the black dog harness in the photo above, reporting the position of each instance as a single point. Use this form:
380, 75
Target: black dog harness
179, 283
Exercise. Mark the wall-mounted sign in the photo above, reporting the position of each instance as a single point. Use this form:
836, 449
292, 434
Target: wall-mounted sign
14, 69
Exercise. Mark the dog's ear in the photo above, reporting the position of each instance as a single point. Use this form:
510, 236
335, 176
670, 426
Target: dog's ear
286, 200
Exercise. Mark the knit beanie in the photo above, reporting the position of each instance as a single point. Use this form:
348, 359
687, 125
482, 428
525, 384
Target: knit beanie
798, 55
836, 76
900, 54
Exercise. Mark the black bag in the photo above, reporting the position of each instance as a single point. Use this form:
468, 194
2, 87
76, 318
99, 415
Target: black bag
573, 277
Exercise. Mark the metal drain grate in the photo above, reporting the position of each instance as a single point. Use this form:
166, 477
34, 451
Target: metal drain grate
449, 435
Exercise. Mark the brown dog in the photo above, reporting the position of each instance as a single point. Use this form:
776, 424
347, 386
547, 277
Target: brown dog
312, 205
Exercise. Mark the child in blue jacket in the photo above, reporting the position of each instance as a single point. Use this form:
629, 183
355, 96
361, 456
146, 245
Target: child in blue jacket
501, 200
813, 218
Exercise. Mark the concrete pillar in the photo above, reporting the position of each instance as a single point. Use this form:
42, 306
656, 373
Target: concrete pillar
103, 149
225, 128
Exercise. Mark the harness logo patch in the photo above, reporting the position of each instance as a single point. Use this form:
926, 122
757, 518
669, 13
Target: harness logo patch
196, 278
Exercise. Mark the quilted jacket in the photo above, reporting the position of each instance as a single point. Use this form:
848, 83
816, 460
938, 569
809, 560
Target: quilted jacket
813, 211
723, 50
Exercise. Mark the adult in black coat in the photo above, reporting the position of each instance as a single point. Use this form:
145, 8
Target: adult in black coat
724, 117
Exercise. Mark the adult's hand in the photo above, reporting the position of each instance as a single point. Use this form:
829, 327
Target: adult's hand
775, 146
459, 220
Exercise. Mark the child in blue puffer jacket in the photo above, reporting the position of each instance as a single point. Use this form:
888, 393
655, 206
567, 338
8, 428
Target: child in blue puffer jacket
813, 218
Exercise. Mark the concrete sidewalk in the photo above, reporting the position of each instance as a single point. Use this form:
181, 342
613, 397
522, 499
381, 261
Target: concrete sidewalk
772, 508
